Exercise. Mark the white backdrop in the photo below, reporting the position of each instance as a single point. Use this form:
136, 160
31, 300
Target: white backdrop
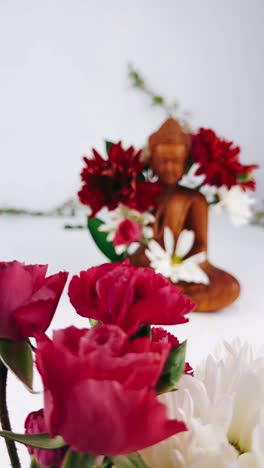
63, 85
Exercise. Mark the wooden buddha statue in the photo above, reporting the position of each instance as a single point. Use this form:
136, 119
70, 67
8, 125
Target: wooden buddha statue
181, 208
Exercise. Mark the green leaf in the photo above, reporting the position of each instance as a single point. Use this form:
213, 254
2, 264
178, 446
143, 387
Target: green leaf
95, 323
108, 145
17, 356
144, 330
141, 177
107, 463
134, 460
79, 460
102, 243
157, 100
42, 440
244, 177
173, 369
34, 463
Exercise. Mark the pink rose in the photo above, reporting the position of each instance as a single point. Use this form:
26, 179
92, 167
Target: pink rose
35, 424
128, 231
28, 299
99, 390
128, 296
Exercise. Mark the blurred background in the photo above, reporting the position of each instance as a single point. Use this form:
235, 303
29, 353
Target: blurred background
64, 85
64, 88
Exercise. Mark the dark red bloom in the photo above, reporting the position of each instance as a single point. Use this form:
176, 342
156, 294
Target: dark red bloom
99, 393
128, 231
28, 299
219, 161
108, 182
35, 424
159, 335
128, 296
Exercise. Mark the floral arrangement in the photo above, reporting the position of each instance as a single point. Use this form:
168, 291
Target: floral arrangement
124, 190
109, 390
101, 384
121, 184
215, 170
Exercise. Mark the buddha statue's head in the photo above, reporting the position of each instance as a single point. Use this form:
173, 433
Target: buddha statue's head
169, 149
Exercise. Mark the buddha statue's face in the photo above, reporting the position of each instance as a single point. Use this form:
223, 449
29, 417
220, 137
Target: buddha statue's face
168, 162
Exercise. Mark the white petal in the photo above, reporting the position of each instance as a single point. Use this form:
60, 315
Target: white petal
148, 218
168, 241
156, 249
104, 227
147, 232
132, 247
184, 243
120, 249
197, 258
192, 273
111, 236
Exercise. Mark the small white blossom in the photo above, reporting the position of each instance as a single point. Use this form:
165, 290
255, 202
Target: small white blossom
120, 214
209, 192
170, 262
236, 203
191, 180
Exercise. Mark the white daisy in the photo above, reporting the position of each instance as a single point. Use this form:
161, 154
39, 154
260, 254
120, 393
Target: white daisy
191, 180
237, 204
171, 262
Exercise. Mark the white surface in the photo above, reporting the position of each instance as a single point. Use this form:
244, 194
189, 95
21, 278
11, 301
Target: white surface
63, 84
239, 251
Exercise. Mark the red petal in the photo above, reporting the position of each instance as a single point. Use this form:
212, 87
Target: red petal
111, 420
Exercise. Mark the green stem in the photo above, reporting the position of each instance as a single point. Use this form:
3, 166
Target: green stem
4, 418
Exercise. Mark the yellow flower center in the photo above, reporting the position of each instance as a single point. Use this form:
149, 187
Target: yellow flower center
175, 260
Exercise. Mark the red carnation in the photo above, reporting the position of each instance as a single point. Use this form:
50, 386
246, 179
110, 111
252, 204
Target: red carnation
219, 161
128, 296
128, 231
28, 299
159, 335
99, 393
108, 182
35, 424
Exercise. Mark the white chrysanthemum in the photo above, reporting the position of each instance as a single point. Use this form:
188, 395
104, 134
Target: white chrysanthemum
223, 407
237, 204
171, 262
240, 375
120, 214
191, 180
204, 445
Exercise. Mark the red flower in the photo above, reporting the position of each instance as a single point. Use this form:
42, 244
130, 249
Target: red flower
99, 393
128, 231
146, 196
159, 335
128, 296
106, 183
28, 299
35, 424
218, 160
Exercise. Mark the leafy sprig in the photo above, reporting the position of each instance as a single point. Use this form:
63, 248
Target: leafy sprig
172, 109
